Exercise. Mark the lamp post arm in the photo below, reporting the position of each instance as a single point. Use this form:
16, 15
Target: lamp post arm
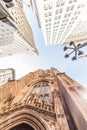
83, 45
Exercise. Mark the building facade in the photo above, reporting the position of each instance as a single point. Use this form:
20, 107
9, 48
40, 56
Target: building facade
79, 33
6, 75
11, 42
58, 18
19, 29
43, 100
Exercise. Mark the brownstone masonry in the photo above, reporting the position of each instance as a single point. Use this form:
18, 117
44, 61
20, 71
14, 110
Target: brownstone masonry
43, 100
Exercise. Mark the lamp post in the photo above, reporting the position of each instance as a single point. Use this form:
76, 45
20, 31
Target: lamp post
74, 49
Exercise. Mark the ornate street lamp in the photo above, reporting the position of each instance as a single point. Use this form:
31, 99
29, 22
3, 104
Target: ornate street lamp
75, 50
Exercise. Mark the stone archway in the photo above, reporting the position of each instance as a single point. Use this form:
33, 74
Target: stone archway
24, 116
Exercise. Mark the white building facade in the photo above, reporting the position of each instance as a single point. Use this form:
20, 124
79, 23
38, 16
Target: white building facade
6, 75
16, 34
79, 33
11, 41
58, 18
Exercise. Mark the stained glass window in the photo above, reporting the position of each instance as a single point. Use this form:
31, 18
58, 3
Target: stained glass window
42, 92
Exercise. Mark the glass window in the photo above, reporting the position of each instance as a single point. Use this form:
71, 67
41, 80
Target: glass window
46, 98
75, 0
46, 20
50, 13
62, 3
37, 90
67, 8
72, 7
57, 3
50, 5
55, 17
56, 12
49, 19
79, 6
58, 22
65, 15
40, 98
34, 91
41, 92
67, 20
59, 17
45, 7
76, 17
69, 14
46, 14
46, 25
70, 1
61, 10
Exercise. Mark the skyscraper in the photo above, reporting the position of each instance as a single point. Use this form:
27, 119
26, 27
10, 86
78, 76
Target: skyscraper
43, 100
13, 17
6, 75
58, 18
12, 42
79, 33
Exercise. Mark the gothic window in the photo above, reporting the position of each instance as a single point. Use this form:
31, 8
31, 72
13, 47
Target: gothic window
42, 92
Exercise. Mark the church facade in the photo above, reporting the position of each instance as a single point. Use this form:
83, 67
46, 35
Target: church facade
43, 100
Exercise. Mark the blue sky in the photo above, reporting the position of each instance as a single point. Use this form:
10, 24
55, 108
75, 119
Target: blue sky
49, 56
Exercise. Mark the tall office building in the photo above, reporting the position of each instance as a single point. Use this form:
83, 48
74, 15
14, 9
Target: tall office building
58, 18
11, 41
43, 100
15, 30
6, 75
79, 33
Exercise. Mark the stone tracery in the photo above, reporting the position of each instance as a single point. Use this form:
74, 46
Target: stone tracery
39, 102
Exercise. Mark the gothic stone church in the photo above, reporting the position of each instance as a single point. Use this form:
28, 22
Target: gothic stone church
43, 100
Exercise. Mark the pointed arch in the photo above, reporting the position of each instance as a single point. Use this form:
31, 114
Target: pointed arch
48, 80
24, 116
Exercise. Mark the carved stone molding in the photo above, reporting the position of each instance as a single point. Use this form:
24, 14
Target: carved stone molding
24, 116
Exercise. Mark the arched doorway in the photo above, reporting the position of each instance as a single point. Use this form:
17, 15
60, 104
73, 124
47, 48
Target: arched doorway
22, 126
26, 118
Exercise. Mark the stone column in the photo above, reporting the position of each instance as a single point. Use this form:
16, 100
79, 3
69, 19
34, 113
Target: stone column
62, 123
